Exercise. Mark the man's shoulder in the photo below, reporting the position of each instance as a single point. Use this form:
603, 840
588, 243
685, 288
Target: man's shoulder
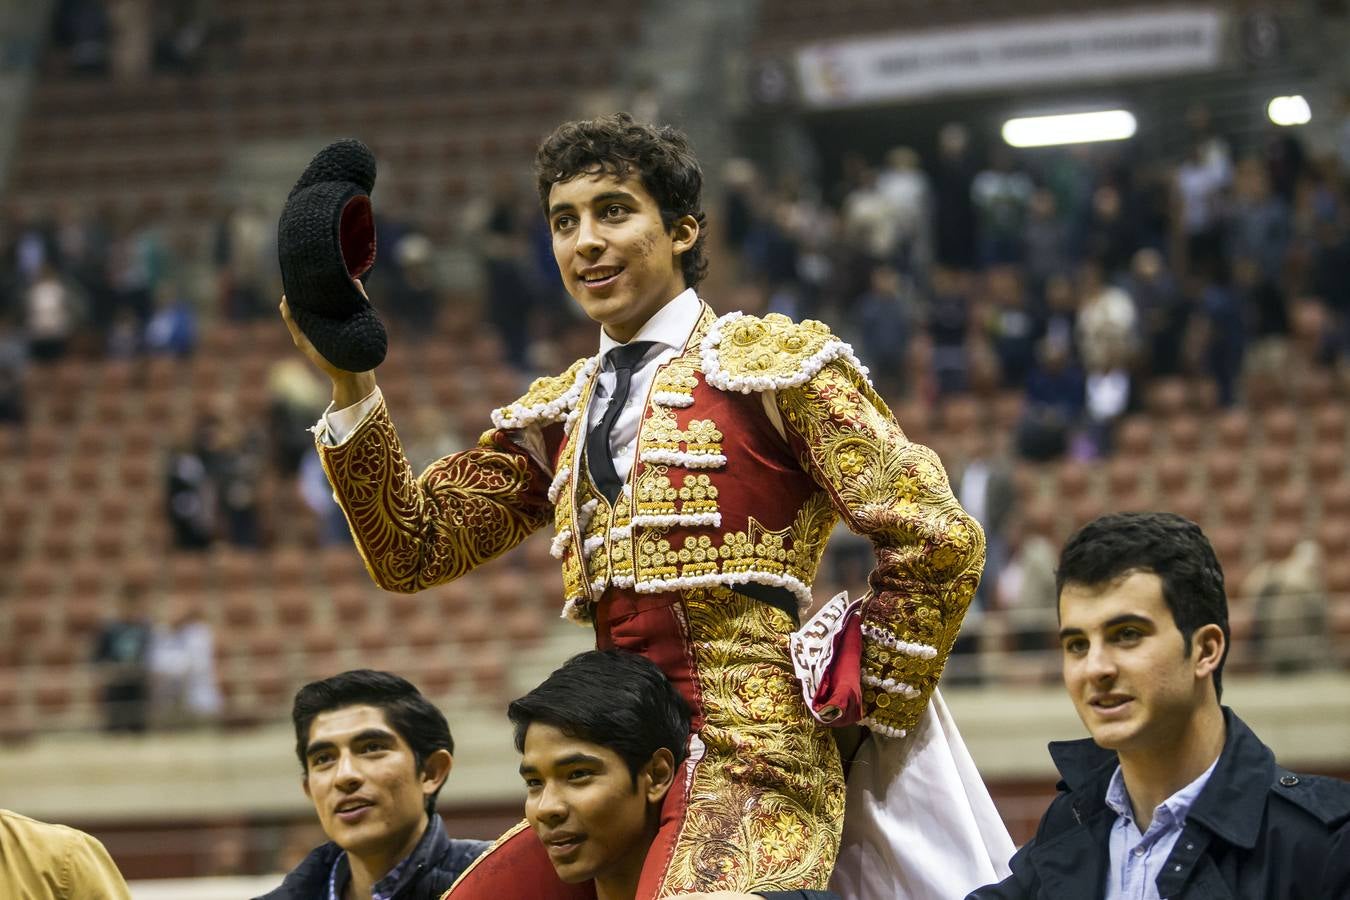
745, 353
309, 876
1326, 800
549, 399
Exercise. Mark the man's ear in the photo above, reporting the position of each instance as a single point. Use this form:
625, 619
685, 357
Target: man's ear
660, 775
684, 232
1207, 644
435, 769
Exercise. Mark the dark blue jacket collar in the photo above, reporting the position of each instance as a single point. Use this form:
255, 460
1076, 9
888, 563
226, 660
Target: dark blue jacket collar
1232, 804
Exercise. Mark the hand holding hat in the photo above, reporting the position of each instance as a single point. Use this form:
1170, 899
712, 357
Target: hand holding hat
325, 241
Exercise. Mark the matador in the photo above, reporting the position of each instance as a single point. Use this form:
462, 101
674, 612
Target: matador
692, 472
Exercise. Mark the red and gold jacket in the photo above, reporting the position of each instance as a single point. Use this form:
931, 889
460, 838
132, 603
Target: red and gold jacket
755, 440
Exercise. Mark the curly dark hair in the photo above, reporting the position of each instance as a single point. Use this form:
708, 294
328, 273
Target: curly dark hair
1171, 547
660, 156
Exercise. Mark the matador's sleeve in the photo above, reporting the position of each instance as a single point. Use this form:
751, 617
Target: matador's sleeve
465, 509
929, 551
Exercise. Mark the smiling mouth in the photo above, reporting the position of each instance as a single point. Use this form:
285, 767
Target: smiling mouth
564, 846
352, 808
601, 277
1109, 703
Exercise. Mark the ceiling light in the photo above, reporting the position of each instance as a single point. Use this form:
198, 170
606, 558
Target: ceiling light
1289, 110
1070, 128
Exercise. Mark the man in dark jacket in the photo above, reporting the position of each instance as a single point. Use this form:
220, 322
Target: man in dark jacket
374, 753
1173, 796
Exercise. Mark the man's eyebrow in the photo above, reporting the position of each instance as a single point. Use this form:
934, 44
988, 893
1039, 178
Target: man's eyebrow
571, 759
369, 734
606, 197
1115, 621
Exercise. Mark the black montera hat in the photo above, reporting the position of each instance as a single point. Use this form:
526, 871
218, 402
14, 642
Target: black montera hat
325, 239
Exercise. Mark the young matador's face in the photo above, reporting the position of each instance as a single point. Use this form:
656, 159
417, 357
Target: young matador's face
616, 258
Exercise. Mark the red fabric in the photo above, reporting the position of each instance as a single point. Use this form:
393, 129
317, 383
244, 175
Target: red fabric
518, 867
356, 234
841, 686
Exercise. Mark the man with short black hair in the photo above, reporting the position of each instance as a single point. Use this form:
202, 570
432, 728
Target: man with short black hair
374, 753
601, 742
1173, 796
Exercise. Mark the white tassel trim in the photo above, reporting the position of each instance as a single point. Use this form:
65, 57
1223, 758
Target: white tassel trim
586, 513
572, 609
591, 544
683, 459
518, 416
571, 421
730, 579
621, 533
672, 399
922, 651
692, 520
556, 485
719, 378
559, 543
886, 730
891, 686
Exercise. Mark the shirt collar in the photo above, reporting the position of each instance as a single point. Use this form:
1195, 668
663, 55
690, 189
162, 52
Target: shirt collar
389, 885
1171, 812
671, 325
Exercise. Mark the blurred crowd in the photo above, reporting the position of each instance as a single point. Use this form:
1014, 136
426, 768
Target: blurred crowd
1068, 277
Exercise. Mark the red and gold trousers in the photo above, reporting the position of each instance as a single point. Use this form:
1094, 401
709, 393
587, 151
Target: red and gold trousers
760, 805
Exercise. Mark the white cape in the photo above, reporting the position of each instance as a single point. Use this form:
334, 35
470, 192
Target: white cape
919, 823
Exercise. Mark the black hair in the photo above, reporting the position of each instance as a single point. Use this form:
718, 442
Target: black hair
412, 716
1170, 546
659, 155
613, 698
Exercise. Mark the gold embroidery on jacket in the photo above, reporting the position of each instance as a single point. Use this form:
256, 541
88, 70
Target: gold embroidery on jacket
929, 551
766, 804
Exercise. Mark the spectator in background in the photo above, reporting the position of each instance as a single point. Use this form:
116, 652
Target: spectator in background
1011, 324
51, 315
131, 39
413, 297
949, 316
295, 397
1026, 585
1000, 195
1108, 323
1258, 221
885, 320
82, 29
13, 373
1219, 335
1199, 184
236, 471
905, 186
191, 493
1111, 234
1045, 240
121, 652
1161, 311
509, 294
172, 329
1290, 596
1055, 401
871, 229
243, 250
183, 669
953, 207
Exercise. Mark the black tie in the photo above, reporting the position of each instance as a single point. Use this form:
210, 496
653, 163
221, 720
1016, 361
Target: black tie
624, 359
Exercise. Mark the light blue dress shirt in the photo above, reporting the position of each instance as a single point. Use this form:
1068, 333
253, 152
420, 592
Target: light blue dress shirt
1138, 859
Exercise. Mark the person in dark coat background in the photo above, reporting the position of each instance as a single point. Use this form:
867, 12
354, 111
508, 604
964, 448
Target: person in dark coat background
1173, 796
